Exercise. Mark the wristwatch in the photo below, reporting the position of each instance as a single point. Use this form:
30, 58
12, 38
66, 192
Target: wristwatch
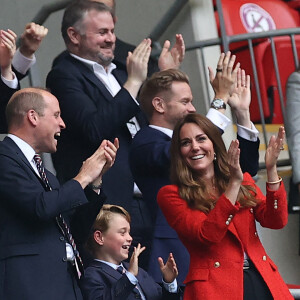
218, 104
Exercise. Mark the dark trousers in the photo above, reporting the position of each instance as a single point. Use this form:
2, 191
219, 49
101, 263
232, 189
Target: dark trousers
255, 287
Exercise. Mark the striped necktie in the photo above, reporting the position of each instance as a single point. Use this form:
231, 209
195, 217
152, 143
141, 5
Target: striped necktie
61, 222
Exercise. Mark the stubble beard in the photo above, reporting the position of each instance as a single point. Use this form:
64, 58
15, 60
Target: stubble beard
104, 60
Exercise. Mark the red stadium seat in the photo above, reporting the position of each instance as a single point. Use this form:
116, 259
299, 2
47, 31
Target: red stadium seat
241, 16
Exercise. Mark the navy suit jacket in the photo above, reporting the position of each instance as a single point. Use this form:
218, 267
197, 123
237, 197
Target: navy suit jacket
5, 94
150, 165
102, 282
91, 114
32, 248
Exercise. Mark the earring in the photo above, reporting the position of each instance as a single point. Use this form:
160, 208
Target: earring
215, 156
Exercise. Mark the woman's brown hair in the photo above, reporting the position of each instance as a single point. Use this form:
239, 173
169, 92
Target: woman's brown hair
193, 190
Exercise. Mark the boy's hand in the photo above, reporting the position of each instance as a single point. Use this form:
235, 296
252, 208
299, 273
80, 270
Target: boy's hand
168, 270
133, 264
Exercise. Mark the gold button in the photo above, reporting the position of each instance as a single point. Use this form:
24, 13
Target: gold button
255, 233
251, 210
217, 264
230, 216
227, 222
275, 206
264, 258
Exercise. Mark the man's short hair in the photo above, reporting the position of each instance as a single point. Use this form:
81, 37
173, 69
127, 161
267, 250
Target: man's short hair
75, 13
157, 84
23, 101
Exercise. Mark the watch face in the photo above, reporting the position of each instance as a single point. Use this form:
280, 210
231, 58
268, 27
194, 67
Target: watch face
218, 103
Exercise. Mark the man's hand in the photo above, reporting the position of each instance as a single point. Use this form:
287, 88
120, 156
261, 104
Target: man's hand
96, 165
223, 82
240, 99
7, 51
171, 59
31, 38
168, 270
137, 67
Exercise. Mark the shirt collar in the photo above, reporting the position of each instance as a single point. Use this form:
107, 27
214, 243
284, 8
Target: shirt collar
94, 65
27, 150
114, 266
167, 131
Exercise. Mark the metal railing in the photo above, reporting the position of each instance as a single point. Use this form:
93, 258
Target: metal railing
225, 41
249, 37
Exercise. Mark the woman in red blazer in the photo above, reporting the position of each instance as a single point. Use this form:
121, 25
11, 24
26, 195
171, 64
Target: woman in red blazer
213, 207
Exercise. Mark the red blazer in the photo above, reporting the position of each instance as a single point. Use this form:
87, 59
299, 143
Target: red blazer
216, 242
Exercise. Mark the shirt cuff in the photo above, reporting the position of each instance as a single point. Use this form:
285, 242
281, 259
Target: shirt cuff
13, 84
219, 119
171, 287
22, 63
250, 134
131, 278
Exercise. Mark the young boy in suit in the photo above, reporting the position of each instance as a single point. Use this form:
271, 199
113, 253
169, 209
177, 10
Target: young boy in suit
108, 277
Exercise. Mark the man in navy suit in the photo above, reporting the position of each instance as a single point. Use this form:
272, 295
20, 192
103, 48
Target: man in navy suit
97, 99
37, 256
121, 49
165, 98
108, 277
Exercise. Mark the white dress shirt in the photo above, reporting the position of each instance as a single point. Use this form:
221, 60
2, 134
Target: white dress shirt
113, 86
22, 64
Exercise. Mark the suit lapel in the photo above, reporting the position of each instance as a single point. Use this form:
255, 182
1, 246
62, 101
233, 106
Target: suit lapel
106, 269
91, 77
21, 156
120, 75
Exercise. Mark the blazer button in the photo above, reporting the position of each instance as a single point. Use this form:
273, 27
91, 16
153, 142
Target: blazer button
217, 264
264, 258
61, 238
64, 259
227, 222
251, 210
255, 233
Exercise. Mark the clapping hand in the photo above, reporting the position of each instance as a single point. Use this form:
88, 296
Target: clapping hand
274, 147
223, 81
134, 260
240, 99
234, 161
171, 59
31, 38
168, 270
7, 51
137, 67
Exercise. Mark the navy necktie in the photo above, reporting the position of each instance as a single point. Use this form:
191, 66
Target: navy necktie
120, 269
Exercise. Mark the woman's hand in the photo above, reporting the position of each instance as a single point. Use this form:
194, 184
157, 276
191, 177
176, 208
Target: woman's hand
236, 174
271, 157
